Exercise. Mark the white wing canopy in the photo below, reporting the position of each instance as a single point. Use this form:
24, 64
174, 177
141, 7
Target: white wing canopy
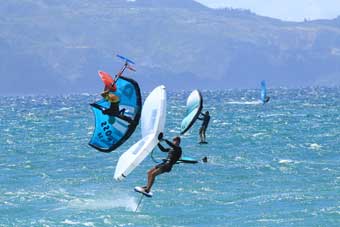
194, 108
152, 123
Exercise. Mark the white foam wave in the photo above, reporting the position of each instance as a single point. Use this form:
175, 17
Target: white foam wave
8, 141
257, 102
77, 223
315, 146
259, 134
103, 203
62, 109
286, 161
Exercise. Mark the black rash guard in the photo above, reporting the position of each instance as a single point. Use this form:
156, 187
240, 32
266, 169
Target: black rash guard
174, 153
205, 119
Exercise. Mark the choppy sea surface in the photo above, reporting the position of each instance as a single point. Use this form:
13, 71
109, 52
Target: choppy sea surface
269, 165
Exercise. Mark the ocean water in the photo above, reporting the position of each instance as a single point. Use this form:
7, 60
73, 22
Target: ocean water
269, 165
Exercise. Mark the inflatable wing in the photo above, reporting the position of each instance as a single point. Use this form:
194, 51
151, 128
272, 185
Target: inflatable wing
153, 121
263, 91
110, 132
194, 108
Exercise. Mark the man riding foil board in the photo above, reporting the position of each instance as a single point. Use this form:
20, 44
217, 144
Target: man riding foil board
205, 122
174, 154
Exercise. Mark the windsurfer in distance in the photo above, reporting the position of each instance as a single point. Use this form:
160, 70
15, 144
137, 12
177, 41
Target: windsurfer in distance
205, 122
266, 99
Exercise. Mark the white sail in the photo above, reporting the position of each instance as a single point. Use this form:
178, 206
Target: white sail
194, 108
152, 123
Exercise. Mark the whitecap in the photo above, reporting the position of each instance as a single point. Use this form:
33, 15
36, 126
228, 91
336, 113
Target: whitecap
257, 102
237, 158
258, 134
286, 161
102, 203
9, 141
69, 222
315, 146
64, 109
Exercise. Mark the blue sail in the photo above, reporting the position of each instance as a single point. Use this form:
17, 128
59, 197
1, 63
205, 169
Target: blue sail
110, 131
194, 108
263, 91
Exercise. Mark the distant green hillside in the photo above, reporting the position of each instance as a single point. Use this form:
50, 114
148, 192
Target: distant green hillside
58, 46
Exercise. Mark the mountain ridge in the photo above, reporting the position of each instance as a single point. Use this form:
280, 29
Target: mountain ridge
53, 46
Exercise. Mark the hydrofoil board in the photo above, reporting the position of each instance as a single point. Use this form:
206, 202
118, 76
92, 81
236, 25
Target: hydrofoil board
142, 191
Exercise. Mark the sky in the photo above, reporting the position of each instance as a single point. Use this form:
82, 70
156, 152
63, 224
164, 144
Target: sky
291, 10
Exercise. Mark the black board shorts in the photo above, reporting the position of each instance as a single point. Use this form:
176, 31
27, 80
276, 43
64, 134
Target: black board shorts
165, 167
202, 129
113, 110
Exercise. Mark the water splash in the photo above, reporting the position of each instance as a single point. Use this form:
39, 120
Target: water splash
104, 202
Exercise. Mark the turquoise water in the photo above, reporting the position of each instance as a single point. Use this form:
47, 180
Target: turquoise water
272, 165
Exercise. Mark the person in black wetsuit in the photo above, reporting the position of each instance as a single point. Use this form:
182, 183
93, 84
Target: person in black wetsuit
174, 154
205, 123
